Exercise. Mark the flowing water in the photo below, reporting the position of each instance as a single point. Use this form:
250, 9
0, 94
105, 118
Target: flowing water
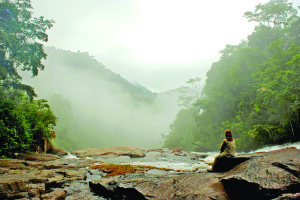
165, 158
186, 161
276, 147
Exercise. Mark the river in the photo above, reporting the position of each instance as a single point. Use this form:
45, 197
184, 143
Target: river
185, 161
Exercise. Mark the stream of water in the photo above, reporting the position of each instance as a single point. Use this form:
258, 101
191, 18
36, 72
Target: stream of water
188, 161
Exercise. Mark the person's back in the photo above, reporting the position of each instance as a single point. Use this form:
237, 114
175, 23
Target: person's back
229, 149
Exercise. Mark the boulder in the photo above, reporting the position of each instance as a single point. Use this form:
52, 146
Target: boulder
265, 177
32, 179
94, 152
58, 151
16, 183
200, 186
110, 189
56, 194
138, 153
39, 157
226, 164
16, 164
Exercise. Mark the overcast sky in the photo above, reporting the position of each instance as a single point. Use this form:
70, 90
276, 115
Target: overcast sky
157, 43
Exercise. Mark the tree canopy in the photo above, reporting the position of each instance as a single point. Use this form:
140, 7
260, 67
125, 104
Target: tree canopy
254, 88
23, 121
20, 43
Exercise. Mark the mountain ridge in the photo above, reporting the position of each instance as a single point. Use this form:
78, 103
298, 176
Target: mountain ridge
95, 103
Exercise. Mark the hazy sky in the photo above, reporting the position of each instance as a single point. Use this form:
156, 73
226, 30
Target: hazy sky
157, 43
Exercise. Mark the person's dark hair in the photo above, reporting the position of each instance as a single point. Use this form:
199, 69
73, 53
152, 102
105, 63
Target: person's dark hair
228, 135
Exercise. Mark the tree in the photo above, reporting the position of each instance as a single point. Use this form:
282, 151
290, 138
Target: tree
20, 34
39, 119
254, 88
276, 13
14, 133
23, 121
190, 93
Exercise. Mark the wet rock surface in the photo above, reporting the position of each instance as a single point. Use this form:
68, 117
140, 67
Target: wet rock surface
265, 176
43, 178
226, 164
273, 175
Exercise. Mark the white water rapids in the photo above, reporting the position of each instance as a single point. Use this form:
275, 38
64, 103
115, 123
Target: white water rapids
191, 161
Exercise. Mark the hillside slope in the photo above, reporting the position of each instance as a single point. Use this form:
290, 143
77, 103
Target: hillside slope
97, 107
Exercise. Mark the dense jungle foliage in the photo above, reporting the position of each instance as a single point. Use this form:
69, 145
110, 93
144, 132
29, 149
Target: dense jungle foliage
24, 122
254, 89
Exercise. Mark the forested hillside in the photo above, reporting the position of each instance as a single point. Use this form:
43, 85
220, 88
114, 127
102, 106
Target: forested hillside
24, 121
96, 107
254, 89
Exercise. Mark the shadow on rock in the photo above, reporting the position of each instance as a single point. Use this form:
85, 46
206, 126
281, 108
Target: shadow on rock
112, 191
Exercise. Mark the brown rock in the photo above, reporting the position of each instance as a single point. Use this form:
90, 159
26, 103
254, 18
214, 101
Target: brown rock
17, 164
288, 197
56, 194
118, 150
20, 195
40, 187
75, 173
108, 188
39, 157
188, 186
138, 153
265, 177
58, 151
33, 192
3, 170
56, 164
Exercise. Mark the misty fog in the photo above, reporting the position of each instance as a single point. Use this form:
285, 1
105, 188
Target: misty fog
153, 48
96, 108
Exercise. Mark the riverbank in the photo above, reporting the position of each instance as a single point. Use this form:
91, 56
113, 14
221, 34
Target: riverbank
266, 175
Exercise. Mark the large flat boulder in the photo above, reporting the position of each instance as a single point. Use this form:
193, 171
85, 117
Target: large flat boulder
267, 176
201, 186
118, 150
39, 157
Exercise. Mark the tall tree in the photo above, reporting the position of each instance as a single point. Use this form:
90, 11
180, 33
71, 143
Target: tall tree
23, 121
20, 43
276, 13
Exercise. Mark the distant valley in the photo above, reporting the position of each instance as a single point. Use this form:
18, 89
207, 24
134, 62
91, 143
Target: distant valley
97, 107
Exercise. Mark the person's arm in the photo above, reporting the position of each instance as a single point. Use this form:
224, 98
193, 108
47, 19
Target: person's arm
222, 148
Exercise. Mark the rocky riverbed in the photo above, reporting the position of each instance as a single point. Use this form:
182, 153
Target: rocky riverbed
133, 173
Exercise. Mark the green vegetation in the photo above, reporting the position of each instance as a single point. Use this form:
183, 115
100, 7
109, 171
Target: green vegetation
254, 88
24, 122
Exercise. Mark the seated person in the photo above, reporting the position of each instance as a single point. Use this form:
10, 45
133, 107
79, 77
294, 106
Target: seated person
227, 149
